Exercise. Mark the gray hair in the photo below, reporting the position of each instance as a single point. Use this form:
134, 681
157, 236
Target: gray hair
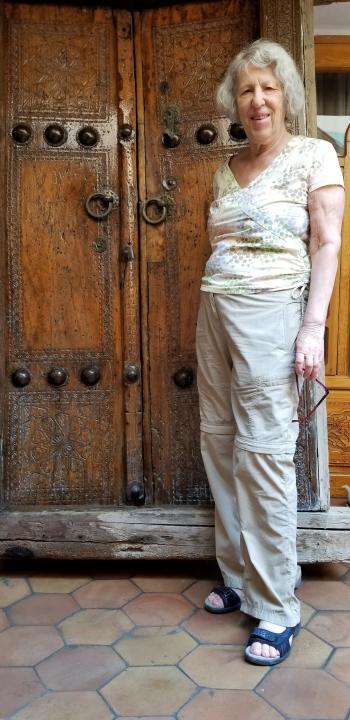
262, 53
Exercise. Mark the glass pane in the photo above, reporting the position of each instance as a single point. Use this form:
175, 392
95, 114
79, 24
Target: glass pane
333, 107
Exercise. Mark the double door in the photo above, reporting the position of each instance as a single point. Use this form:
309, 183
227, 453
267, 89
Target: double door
111, 141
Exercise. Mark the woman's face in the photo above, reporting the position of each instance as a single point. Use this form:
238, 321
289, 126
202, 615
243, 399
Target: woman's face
260, 104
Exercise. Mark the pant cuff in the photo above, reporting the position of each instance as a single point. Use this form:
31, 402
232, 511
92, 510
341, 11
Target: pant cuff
278, 617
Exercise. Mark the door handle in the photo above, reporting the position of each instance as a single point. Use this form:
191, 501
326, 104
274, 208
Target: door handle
161, 207
109, 199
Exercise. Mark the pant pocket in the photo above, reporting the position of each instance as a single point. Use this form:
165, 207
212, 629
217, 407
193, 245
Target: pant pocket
264, 412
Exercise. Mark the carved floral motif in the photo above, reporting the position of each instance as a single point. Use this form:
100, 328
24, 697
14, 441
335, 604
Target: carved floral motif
47, 62
190, 62
339, 431
61, 452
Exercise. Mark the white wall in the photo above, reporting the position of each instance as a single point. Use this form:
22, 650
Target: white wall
333, 19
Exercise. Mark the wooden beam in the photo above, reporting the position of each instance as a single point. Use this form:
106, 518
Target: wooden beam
152, 533
332, 53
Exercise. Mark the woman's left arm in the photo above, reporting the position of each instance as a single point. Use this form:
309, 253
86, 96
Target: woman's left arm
326, 208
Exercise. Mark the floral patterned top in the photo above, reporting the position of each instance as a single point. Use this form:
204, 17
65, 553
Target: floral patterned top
260, 233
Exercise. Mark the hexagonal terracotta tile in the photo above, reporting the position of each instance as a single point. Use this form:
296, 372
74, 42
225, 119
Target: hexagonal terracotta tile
304, 693
95, 627
227, 705
4, 623
221, 667
106, 593
339, 665
325, 594
60, 705
306, 612
158, 609
80, 668
199, 591
155, 646
156, 690
12, 589
18, 686
42, 609
20, 646
334, 627
162, 583
56, 583
308, 651
230, 628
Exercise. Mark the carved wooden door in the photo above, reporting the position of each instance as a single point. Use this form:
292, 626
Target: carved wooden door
72, 392
183, 52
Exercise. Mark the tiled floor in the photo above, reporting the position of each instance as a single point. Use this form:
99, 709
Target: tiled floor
99, 642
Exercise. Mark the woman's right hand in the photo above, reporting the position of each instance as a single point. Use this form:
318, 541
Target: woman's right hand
309, 350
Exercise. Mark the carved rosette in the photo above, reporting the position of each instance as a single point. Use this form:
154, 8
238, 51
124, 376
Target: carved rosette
339, 433
46, 62
61, 453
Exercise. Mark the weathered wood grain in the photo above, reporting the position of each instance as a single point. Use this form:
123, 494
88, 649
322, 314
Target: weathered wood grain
158, 533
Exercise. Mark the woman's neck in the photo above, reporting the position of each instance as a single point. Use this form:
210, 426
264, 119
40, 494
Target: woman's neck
271, 148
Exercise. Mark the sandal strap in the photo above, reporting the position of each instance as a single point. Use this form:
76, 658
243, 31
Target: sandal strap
279, 641
227, 595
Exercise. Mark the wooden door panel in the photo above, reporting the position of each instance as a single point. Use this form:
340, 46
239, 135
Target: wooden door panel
337, 378
70, 295
338, 427
64, 291
188, 49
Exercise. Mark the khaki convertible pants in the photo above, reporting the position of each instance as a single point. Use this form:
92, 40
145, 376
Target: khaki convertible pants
248, 398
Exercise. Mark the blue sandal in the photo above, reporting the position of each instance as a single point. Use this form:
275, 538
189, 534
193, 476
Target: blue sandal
229, 597
279, 641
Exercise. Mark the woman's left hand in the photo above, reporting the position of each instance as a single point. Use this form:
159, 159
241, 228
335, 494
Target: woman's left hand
309, 351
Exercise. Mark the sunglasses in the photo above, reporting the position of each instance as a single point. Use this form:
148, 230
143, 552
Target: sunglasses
304, 418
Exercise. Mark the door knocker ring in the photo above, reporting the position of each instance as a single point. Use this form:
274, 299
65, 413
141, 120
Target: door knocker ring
160, 205
110, 198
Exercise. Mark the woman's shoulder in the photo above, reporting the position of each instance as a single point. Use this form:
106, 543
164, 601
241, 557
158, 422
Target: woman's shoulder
314, 146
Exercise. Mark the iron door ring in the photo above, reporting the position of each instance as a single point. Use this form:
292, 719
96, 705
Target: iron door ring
160, 205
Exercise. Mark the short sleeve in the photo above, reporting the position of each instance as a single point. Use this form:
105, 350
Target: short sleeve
223, 181
325, 168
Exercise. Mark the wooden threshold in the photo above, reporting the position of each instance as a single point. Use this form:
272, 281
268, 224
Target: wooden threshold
152, 533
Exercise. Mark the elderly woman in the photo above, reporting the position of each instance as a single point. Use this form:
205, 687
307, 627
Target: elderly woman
274, 228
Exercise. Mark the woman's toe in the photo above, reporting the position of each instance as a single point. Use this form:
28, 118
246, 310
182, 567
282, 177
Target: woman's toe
256, 648
215, 600
269, 652
263, 650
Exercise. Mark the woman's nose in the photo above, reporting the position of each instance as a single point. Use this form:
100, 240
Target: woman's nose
258, 96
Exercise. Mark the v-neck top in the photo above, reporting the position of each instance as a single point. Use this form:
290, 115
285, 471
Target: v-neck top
260, 233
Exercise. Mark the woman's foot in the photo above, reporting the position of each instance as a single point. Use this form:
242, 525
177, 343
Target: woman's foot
266, 650
217, 601
277, 646
223, 599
